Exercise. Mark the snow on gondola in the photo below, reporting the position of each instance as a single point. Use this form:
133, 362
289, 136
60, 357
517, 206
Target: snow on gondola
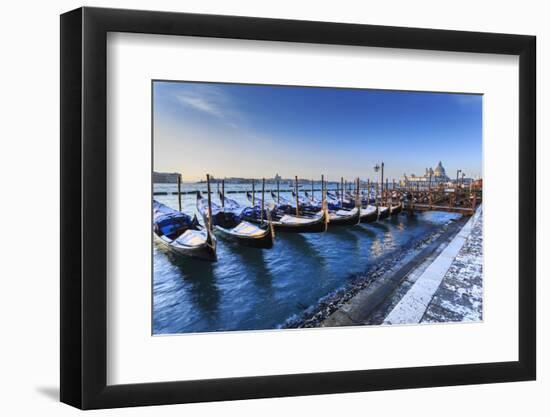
182, 235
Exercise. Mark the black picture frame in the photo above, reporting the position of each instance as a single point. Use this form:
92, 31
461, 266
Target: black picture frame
84, 207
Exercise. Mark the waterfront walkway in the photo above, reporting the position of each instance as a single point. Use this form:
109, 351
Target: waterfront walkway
442, 283
450, 288
460, 295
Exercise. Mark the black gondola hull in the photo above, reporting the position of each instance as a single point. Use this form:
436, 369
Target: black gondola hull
317, 226
346, 220
205, 251
383, 214
370, 218
397, 209
264, 241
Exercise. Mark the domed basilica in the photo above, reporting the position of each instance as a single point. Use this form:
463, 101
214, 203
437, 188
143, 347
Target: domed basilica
437, 175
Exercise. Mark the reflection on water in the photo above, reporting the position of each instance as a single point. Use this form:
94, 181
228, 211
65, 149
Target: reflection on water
251, 289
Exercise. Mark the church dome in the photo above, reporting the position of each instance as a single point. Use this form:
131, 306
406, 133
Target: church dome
439, 170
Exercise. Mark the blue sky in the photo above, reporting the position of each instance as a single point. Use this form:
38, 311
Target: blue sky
255, 131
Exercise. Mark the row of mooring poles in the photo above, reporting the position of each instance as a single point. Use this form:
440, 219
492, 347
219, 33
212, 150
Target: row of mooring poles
262, 204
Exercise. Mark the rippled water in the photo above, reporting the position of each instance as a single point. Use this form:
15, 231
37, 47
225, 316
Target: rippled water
252, 289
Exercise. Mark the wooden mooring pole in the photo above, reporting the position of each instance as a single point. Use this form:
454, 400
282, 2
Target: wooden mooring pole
297, 200
430, 191
223, 193
342, 191
474, 203
263, 199
323, 192
209, 202
382, 183
368, 191
179, 192
357, 196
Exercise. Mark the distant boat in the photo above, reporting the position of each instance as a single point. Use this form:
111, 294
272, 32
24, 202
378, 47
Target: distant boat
283, 220
181, 234
232, 226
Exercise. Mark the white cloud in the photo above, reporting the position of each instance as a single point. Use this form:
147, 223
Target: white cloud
212, 101
201, 104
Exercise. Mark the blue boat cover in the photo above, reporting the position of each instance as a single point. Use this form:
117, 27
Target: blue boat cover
226, 218
171, 223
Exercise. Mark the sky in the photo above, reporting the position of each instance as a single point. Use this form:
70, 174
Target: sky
255, 131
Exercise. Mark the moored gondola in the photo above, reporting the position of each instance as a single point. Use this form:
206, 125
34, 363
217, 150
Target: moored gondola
342, 213
369, 214
233, 227
182, 235
345, 217
284, 219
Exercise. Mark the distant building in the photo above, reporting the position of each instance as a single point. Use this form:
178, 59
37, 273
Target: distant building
437, 175
277, 177
165, 177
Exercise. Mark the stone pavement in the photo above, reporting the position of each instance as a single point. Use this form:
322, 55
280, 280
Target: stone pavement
450, 288
460, 295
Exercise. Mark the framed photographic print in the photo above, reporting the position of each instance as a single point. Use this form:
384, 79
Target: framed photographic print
258, 208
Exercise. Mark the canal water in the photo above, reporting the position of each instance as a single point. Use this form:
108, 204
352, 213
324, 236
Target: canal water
253, 289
